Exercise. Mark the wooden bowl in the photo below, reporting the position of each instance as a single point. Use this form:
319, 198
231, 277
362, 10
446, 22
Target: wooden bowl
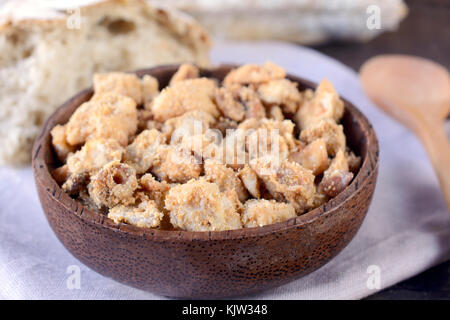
207, 264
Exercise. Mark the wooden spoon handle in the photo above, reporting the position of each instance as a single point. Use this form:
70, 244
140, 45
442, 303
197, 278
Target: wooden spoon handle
437, 146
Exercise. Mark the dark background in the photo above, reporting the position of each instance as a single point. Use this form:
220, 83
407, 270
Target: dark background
425, 32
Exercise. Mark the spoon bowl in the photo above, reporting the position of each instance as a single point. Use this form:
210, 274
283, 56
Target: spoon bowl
416, 92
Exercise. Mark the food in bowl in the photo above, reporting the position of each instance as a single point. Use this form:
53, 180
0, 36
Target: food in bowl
200, 155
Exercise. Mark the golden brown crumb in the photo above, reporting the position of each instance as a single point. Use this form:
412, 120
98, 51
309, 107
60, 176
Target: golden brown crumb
114, 184
150, 89
320, 197
229, 105
282, 92
263, 142
142, 153
252, 73
94, 154
258, 213
189, 124
313, 157
232, 151
126, 84
225, 178
276, 113
87, 201
250, 180
184, 96
107, 116
325, 104
253, 105
199, 205
223, 124
337, 176
60, 144
154, 189
145, 214
76, 183
328, 130
286, 181
176, 166
267, 136
354, 162
184, 72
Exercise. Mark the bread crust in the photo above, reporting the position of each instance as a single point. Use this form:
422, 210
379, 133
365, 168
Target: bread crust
44, 61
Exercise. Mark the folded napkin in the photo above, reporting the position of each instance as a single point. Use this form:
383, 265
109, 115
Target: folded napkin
406, 231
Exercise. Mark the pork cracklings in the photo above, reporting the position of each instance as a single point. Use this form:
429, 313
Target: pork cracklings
205, 155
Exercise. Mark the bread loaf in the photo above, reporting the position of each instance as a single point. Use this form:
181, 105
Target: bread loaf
302, 21
49, 51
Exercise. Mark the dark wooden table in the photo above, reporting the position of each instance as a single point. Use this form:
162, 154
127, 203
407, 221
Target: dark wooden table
425, 32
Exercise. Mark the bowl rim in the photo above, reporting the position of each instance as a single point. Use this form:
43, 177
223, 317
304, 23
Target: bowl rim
43, 176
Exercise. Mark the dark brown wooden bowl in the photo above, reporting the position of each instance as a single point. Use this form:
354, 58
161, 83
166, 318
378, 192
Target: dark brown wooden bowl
207, 264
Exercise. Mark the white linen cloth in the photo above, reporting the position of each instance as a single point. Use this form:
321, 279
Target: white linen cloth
406, 231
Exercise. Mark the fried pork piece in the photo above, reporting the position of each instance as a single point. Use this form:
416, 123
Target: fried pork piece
61, 174
94, 154
201, 146
175, 166
320, 197
313, 157
184, 72
228, 102
258, 213
285, 128
254, 107
231, 151
146, 121
126, 84
337, 176
282, 92
269, 136
142, 153
76, 183
199, 205
286, 181
325, 104
354, 162
87, 201
154, 189
250, 180
225, 178
223, 124
145, 214
184, 96
60, 144
251, 73
150, 89
276, 113
189, 124
263, 142
114, 184
109, 116
328, 130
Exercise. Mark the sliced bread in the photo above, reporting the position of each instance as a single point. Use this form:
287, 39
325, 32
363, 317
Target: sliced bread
49, 50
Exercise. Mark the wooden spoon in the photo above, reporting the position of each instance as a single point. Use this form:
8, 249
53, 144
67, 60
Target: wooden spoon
416, 92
